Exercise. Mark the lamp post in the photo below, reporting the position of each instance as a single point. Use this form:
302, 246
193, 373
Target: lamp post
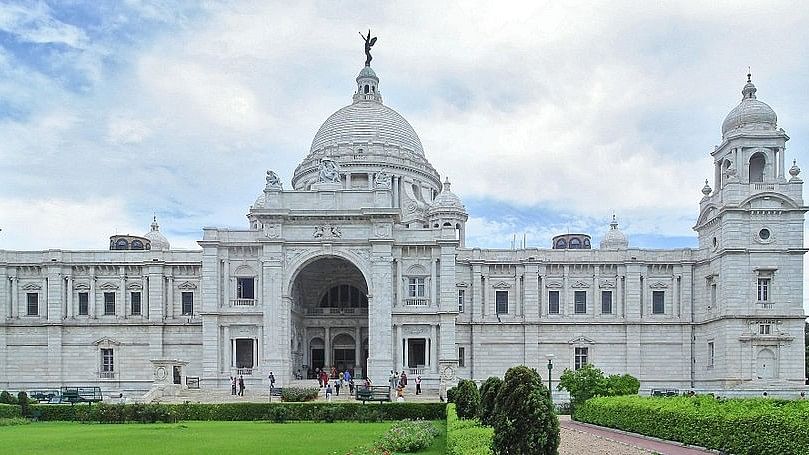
550, 370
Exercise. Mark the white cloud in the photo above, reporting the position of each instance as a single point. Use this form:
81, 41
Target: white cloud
35, 24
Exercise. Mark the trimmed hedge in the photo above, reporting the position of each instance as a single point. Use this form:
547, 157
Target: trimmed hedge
467, 437
318, 412
756, 426
9, 411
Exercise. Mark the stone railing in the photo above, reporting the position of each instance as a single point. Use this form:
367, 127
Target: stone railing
244, 371
418, 371
318, 311
106, 375
763, 187
417, 301
243, 302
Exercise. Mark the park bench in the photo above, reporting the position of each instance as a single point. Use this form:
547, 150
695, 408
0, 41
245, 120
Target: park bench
665, 392
43, 395
378, 393
276, 391
75, 395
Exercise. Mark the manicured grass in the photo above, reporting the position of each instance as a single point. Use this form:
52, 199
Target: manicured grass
439, 446
305, 438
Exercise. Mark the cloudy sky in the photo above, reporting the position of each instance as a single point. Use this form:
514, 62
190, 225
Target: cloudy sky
547, 116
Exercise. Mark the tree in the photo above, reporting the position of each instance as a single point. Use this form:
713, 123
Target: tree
806, 340
582, 384
22, 400
488, 397
524, 418
7, 398
467, 400
622, 385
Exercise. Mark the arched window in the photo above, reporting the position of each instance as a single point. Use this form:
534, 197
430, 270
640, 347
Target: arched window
561, 244
121, 244
366, 89
344, 296
757, 162
575, 244
137, 245
587, 244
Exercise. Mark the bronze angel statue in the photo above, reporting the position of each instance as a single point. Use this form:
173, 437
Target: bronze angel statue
369, 43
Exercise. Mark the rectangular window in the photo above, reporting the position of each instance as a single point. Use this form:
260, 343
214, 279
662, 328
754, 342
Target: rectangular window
415, 287
107, 361
33, 303
461, 295
580, 358
763, 289
764, 329
134, 300
713, 295
109, 303
553, 302
461, 357
245, 288
501, 302
606, 302
658, 302
84, 303
710, 353
188, 303
580, 302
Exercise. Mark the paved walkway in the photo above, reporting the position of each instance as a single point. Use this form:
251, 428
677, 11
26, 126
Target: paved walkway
631, 439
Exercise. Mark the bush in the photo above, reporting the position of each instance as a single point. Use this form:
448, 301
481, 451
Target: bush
299, 394
488, 396
4, 422
22, 400
588, 382
7, 398
739, 426
408, 436
617, 385
8, 411
467, 437
524, 418
318, 411
278, 414
467, 400
452, 392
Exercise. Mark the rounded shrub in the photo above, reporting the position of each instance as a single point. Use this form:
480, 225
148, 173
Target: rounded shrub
22, 399
488, 396
452, 392
7, 398
467, 400
524, 418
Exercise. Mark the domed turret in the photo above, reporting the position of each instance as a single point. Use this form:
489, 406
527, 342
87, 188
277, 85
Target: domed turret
447, 211
751, 114
158, 240
614, 239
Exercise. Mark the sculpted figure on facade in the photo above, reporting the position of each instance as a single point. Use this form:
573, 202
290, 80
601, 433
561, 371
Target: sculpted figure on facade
382, 180
273, 182
329, 171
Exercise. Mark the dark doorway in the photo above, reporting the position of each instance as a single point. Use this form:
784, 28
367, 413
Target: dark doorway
344, 359
244, 353
416, 350
178, 373
318, 358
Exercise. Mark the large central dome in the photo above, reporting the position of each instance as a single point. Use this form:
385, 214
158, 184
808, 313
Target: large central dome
367, 122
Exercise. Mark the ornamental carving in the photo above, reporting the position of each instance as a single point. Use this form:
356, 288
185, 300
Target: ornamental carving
327, 231
502, 285
382, 230
658, 285
293, 253
187, 285
271, 230
553, 284
329, 171
382, 180
273, 182
607, 284
581, 340
579, 284
362, 253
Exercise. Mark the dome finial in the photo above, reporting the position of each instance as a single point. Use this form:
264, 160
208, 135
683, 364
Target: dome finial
749, 90
749, 75
706, 190
446, 184
155, 226
614, 223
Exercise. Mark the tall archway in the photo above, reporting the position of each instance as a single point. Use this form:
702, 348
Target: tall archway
757, 163
330, 312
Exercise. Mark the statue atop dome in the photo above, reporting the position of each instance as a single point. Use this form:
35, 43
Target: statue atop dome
369, 43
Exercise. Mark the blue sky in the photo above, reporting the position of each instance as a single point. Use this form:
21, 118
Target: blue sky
547, 116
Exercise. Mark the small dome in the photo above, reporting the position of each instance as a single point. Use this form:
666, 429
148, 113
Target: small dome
446, 199
750, 113
159, 241
367, 72
614, 239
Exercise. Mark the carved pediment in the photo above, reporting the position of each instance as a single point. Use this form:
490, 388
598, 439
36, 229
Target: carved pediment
581, 340
32, 287
134, 286
609, 284
553, 284
106, 341
659, 285
502, 285
579, 284
187, 285
82, 287
462, 285
108, 286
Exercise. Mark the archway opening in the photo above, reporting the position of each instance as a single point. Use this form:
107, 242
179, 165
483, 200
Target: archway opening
757, 162
329, 316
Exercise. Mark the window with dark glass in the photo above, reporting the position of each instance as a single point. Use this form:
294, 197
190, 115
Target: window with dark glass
461, 357
561, 244
501, 302
84, 303
136, 245
658, 302
763, 289
580, 302
245, 288
188, 303
109, 303
107, 361
344, 296
461, 294
134, 301
553, 302
580, 358
415, 287
606, 302
32, 303
575, 244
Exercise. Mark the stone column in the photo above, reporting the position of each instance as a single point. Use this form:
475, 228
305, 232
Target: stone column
121, 308
276, 309
226, 286
531, 293
357, 348
434, 298
563, 309
518, 304
9, 301
69, 310
92, 298
395, 184
348, 180
170, 297
398, 283
224, 354
380, 307
399, 346
370, 180
327, 349
233, 353
406, 362
475, 288
433, 348
146, 290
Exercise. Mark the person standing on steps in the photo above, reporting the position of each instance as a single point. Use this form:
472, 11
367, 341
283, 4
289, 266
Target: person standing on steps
241, 385
418, 385
328, 392
233, 385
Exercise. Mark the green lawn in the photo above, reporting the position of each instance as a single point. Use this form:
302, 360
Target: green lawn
196, 438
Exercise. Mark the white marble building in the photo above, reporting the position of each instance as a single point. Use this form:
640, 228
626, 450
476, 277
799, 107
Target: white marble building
362, 264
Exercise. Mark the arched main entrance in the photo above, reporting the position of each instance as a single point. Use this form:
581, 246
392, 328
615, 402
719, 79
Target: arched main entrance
330, 317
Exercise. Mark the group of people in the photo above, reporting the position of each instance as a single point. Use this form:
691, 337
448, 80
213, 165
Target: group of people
398, 382
237, 382
332, 383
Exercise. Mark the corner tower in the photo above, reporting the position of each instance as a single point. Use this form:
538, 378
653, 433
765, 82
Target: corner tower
749, 288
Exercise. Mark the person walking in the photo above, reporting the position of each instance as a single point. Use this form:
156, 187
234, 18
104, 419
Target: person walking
403, 380
337, 384
328, 392
233, 385
418, 385
351, 387
346, 375
394, 379
271, 377
319, 378
241, 385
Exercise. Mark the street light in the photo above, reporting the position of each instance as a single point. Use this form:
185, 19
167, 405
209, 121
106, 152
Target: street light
550, 369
